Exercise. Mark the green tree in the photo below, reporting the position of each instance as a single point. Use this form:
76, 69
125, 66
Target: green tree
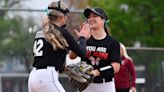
133, 20
142, 21
15, 40
8, 4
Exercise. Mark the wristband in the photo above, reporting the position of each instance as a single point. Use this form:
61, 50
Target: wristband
107, 71
82, 43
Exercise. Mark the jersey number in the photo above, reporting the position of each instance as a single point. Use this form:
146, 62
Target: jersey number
37, 48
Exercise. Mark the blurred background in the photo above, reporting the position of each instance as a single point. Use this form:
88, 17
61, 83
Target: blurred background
139, 24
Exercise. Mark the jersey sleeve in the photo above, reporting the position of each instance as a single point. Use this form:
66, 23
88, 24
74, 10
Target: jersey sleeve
73, 44
115, 52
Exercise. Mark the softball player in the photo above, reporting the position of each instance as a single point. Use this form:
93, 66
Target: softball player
103, 52
50, 49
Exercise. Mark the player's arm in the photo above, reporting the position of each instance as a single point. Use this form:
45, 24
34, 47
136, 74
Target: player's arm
73, 45
84, 31
110, 70
72, 55
116, 67
82, 43
107, 70
115, 58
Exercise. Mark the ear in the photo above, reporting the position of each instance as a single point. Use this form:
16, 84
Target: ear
61, 16
103, 20
65, 17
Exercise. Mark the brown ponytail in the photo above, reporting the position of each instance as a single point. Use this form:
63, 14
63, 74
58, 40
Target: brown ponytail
107, 29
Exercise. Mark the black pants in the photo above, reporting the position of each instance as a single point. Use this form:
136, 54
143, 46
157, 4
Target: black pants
123, 90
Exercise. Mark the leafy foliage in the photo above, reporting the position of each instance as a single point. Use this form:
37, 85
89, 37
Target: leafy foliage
133, 20
14, 38
138, 21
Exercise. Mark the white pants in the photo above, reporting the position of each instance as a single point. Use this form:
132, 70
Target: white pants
101, 87
44, 80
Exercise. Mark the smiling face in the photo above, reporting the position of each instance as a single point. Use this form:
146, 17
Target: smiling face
95, 21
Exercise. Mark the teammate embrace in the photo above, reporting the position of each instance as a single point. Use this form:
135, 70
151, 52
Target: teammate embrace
50, 48
95, 46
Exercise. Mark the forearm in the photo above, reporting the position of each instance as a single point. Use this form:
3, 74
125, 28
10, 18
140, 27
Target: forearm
116, 67
107, 71
82, 43
72, 55
110, 70
78, 51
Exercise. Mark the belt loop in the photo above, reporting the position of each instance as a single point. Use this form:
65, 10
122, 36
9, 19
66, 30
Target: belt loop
34, 68
103, 80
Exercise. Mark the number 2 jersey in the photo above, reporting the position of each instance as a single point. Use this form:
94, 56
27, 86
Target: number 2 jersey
45, 55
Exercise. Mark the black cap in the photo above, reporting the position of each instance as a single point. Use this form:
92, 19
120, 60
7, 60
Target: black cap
98, 11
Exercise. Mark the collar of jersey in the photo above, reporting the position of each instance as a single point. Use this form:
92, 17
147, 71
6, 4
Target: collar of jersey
55, 26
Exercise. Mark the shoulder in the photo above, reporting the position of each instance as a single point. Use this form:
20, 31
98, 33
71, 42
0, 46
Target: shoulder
67, 35
64, 32
39, 34
128, 59
113, 41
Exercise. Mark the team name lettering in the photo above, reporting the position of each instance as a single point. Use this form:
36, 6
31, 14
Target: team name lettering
100, 52
91, 48
101, 49
101, 55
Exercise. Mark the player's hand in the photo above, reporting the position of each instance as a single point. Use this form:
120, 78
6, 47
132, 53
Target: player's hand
133, 89
95, 73
84, 31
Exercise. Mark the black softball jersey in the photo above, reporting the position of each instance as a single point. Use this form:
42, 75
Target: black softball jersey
45, 55
101, 53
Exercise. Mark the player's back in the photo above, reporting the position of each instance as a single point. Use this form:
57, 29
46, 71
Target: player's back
44, 54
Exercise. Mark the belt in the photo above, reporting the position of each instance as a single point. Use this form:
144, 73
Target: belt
102, 80
45, 67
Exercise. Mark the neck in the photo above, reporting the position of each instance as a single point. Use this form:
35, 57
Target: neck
57, 24
99, 34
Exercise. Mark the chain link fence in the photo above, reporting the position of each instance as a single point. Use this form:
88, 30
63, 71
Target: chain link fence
149, 65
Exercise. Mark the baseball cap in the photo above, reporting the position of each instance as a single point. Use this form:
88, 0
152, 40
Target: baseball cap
98, 11
59, 6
